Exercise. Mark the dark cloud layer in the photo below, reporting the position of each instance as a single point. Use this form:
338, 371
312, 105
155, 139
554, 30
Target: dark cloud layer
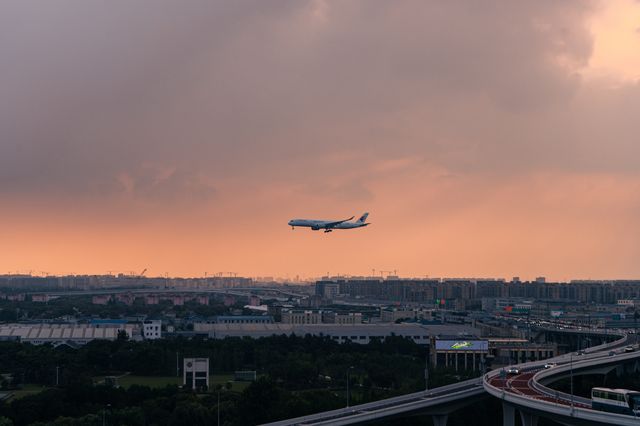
94, 90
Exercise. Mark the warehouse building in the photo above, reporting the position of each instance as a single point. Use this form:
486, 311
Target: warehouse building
59, 334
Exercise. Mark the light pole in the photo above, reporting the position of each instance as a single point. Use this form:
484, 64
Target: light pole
348, 379
571, 374
426, 373
57, 376
218, 408
104, 415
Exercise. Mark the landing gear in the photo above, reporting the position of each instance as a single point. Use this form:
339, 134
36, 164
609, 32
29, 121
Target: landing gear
327, 230
293, 228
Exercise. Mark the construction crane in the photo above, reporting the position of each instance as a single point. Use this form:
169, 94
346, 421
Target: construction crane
142, 273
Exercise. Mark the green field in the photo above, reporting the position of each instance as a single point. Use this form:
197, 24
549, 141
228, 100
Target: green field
27, 390
161, 381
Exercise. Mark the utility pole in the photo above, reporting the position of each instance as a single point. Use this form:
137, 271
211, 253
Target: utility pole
177, 365
57, 375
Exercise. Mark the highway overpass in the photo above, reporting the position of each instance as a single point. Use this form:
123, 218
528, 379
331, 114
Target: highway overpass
438, 403
522, 393
527, 393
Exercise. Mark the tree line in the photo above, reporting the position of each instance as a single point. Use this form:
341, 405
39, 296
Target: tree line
297, 376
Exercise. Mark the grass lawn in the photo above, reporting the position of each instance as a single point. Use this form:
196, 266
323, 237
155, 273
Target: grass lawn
27, 390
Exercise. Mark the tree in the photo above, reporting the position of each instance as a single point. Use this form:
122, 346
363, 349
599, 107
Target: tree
122, 335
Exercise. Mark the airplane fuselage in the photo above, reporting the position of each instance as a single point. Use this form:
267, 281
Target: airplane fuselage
328, 225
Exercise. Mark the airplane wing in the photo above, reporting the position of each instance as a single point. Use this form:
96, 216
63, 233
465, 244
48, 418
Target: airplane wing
338, 222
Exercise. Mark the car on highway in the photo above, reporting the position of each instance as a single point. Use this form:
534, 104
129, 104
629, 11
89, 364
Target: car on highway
513, 370
629, 349
550, 365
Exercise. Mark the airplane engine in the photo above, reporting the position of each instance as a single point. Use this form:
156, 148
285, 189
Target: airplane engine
315, 228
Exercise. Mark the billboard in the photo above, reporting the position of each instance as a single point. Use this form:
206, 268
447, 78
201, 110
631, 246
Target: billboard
462, 345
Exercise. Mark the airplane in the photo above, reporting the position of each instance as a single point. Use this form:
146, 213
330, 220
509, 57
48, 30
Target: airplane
328, 225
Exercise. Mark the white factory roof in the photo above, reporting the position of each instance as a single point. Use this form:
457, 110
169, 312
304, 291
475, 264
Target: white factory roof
43, 333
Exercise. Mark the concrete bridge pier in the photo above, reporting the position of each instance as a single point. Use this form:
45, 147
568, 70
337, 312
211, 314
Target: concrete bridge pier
440, 419
508, 415
528, 419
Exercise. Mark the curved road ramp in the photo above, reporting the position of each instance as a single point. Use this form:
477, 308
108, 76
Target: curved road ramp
438, 402
524, 392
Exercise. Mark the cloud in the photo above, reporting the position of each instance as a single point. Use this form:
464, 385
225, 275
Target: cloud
166, 184
246, 88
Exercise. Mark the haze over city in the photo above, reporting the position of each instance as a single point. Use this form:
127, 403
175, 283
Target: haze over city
485, 140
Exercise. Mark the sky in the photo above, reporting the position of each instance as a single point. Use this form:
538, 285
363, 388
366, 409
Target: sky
491, 139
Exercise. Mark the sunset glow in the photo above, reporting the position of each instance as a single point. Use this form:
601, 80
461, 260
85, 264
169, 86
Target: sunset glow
499, 140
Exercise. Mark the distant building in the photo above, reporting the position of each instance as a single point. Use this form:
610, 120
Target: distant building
330, 291
395, 314
341, 318
108, 322
43, 298
243, 319
509, 350
301, 317
195, 373
275, 310
152, 329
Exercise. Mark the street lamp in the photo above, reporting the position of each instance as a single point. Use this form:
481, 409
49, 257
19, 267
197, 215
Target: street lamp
571, 375
426, 372
348, 379
218, 406
104, 415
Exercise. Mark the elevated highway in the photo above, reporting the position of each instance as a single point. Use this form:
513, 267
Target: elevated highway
438, 403
522, 392
527, 393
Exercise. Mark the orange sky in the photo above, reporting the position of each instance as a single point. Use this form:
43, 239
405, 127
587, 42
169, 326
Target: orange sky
497, 141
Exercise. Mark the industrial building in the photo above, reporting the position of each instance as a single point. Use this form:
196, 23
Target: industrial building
472, 354
152, 329
466, 354
69, 334
291, 316
195, 373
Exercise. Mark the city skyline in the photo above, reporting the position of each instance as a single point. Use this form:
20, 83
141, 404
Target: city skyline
492, 141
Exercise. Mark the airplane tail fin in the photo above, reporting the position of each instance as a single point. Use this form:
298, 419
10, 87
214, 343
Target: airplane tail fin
363, 218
